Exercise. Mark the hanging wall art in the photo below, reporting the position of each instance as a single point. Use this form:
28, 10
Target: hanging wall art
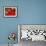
10, 11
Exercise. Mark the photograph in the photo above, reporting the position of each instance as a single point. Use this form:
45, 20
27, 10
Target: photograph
33, 32
10, 11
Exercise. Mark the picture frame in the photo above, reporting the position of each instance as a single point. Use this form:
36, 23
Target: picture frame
36, 32
10, 11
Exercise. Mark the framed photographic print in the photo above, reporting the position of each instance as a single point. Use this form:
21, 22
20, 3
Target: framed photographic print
10, 11
32, 32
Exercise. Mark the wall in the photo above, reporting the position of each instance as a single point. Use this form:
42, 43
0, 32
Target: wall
29, 12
